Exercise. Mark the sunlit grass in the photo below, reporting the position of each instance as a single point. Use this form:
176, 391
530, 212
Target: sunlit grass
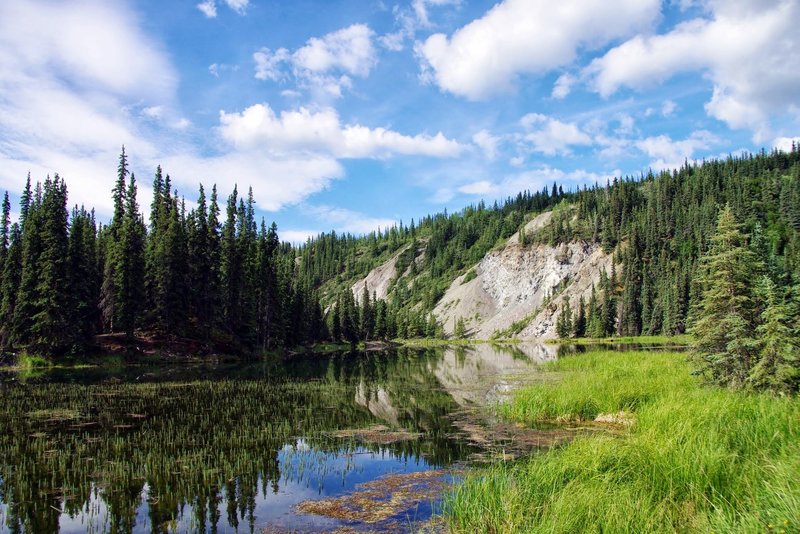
695, 459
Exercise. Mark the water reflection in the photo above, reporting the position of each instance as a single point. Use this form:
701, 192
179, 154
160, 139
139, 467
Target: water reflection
227, 447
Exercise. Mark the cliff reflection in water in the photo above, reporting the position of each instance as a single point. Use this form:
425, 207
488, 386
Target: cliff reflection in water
224, 447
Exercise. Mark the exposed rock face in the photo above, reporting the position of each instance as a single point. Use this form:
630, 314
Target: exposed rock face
378, 279
515, 282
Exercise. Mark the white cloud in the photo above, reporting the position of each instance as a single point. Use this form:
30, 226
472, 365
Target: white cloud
668, 108
345, 220
517, 37
238, 5
563, 86
325, 64
321, 131
749, 50
669, 154
487, 142
268, 64
532, 180
626, 124
277, 180
153, 112
551, 136
349, 49
785, 143
420, 8
208, 8
408, 21
481, 187
215, 69
73, 95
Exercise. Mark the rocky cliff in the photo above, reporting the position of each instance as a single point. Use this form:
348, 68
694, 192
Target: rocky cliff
515, 290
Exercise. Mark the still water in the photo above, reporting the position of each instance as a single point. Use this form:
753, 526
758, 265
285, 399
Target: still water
342, 442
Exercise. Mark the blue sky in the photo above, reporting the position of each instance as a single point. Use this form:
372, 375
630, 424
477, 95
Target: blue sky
352, 115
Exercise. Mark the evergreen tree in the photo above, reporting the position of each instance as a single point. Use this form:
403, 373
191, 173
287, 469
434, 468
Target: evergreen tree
579, 329
84, 279
129, 264
564, 324
9, 284
725, 346
778, 364
49, 323
367, 315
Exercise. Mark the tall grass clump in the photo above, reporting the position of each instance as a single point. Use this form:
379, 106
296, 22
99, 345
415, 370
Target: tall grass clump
32, 361
695, 458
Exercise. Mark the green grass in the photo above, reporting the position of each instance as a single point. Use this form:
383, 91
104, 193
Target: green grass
696, 459
683, 339
32, 361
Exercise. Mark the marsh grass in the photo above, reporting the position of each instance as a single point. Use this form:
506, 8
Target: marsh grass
695, 459
681, 340
27, 361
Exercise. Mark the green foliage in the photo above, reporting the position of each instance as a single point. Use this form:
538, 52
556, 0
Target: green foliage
32, 361
470, 276
694, 458
742, 337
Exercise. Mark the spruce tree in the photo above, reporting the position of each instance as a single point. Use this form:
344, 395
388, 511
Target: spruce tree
579, 329
50, 328
725, 344
130, 264
778, 364
9, 284
564, 322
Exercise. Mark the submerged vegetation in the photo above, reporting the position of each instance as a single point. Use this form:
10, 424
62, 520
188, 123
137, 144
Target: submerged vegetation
694, 458
165, 449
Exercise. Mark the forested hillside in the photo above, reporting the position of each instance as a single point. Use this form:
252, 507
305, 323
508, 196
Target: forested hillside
660, 226
216, 274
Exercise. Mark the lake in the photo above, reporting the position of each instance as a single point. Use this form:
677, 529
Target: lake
337, 442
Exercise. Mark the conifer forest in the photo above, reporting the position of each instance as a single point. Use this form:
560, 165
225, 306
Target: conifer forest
215, 273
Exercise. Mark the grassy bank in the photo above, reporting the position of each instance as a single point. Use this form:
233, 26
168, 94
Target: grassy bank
432, 342
683, 339
695, 459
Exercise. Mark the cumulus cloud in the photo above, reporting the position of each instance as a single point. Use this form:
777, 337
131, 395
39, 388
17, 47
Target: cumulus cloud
322, 131
77, 91
668, 107
749, 50
73, 95
532, 180
208, 8
481, 187
345, 220
563, 86
517, 37
487, 142
669, 154
785, 143
269, 64
550, 136
324, 64
277, 180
